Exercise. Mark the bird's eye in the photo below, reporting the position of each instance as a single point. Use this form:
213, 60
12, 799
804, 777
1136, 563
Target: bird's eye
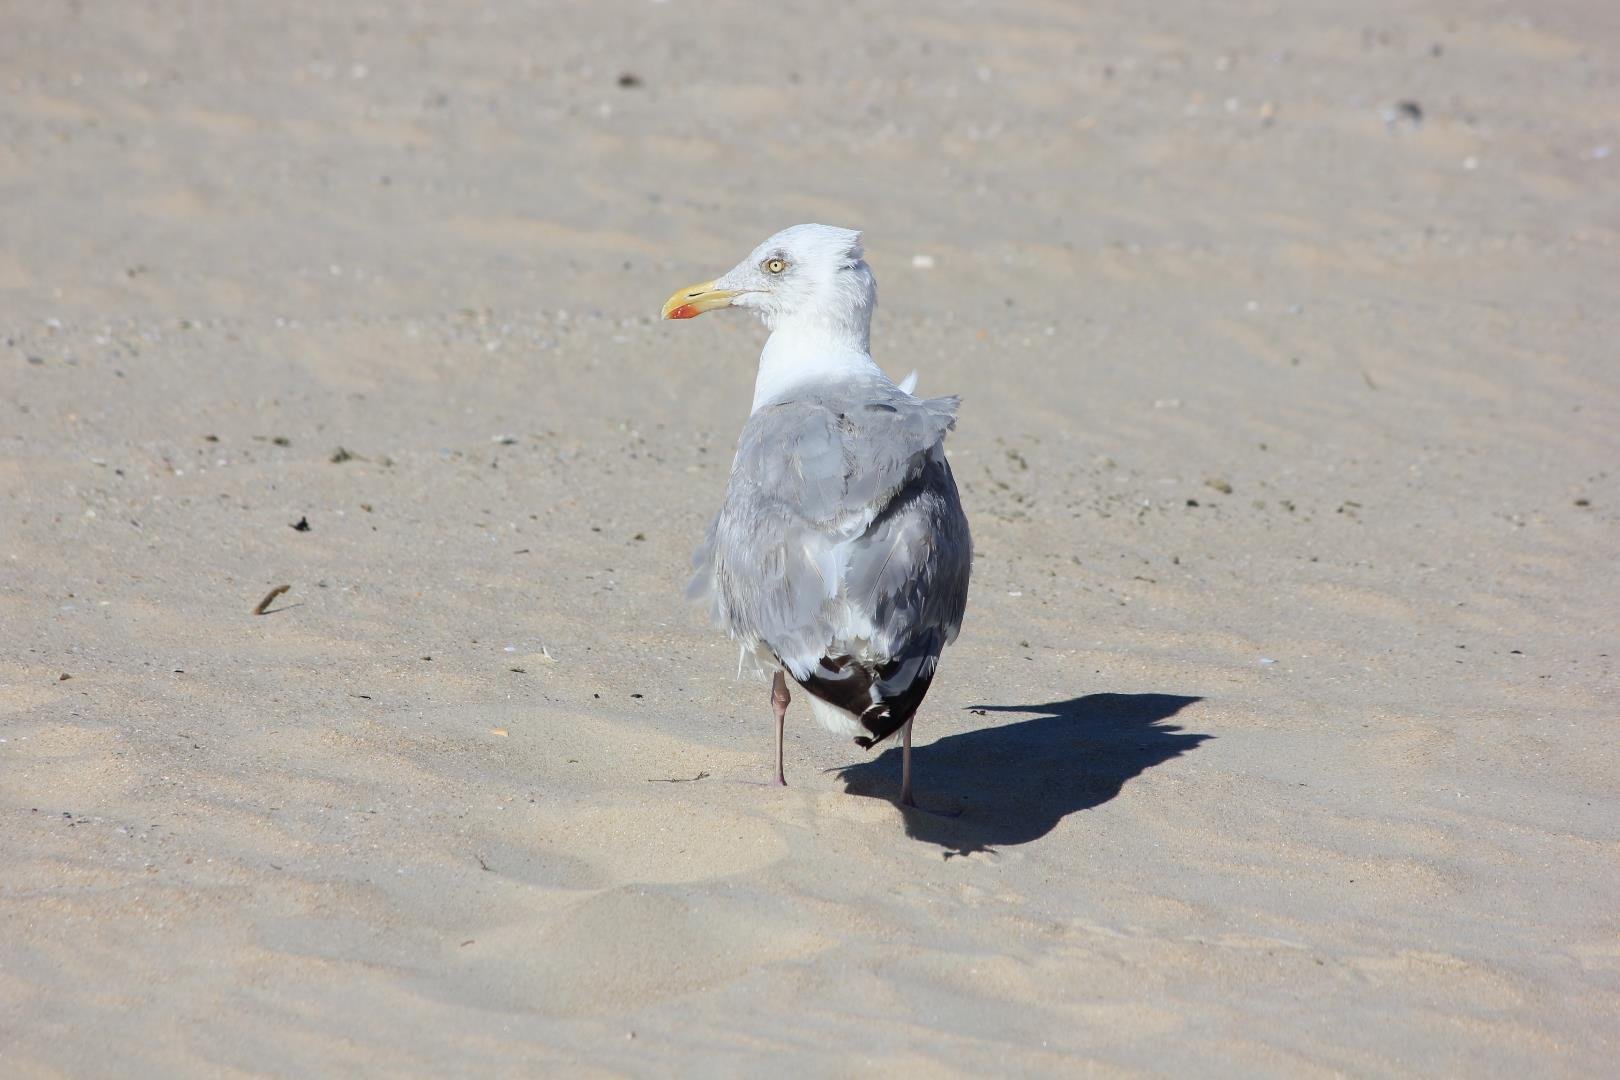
775, 266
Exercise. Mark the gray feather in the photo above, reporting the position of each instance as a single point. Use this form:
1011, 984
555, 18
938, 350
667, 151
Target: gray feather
841, 510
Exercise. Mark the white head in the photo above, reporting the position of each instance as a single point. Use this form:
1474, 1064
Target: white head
809, 276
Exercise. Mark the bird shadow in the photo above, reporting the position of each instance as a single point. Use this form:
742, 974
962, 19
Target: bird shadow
1016, 781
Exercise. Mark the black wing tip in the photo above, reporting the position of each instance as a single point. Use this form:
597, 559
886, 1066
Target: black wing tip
846, 683
840, 681
882, 721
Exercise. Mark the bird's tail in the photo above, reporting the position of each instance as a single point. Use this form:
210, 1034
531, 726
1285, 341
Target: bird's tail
881, 696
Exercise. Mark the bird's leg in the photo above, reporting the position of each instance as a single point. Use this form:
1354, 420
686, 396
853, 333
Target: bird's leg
779, 702
905, 765
906, 801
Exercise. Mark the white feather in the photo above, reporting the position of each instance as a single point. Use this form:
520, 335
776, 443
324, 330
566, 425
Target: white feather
836, 720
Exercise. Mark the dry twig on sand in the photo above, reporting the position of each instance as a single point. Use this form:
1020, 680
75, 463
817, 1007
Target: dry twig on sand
259, 608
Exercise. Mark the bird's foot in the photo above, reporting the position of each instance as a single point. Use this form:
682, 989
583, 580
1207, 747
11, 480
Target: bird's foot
909, 806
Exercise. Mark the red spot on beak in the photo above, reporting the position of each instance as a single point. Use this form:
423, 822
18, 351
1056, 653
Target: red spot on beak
685, 311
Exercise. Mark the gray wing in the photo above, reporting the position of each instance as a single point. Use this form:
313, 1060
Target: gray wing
909, 570
841, 533
905, 587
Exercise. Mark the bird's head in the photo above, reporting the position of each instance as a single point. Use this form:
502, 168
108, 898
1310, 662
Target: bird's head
807, 273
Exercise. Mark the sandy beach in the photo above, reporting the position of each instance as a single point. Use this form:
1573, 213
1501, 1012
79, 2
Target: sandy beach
1282, 730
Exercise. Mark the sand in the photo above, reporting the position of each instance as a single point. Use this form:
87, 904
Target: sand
1283, 725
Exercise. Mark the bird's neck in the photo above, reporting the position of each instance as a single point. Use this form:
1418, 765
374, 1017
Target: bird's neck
800, 352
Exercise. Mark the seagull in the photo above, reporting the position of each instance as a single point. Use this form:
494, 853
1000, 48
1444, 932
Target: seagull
840, 557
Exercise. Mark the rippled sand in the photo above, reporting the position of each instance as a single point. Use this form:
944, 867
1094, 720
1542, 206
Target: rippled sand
1282, 728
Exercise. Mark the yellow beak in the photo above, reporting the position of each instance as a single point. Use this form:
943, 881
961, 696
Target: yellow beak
694, 300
